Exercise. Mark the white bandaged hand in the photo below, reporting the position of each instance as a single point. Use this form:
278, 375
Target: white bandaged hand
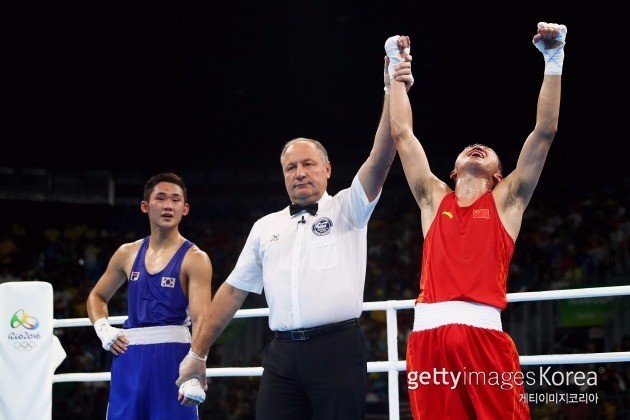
394, 54
192, 390
106, 333
193, 366
552, 49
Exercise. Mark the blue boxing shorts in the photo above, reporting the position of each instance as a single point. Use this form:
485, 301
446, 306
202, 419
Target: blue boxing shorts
143, 378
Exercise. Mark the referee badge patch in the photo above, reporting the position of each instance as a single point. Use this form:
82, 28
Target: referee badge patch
168, 282
322, 226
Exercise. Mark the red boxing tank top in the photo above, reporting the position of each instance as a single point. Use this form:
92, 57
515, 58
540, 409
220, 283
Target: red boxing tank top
466, 254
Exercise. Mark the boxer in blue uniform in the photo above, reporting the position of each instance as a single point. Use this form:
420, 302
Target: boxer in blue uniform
168, 284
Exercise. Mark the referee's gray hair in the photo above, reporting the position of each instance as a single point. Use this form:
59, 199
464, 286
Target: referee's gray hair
320, 147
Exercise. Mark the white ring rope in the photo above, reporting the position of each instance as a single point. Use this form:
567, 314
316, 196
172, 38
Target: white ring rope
389, 366
569, 293
118, 320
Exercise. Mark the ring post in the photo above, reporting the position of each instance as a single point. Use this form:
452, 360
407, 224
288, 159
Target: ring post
29, 352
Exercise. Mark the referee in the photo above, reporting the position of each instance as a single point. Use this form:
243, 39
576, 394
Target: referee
310, 258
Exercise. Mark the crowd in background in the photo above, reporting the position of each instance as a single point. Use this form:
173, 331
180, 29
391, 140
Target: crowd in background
569, 239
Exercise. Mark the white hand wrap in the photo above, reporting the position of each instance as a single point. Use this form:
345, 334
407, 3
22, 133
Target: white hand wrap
192, 390
106, 333
195, 356
554, 57
392, 51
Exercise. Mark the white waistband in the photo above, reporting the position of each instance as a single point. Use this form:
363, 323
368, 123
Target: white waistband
156, 335
433, 315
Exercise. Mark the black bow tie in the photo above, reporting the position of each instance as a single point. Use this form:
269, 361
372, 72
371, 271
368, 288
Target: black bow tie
296, 208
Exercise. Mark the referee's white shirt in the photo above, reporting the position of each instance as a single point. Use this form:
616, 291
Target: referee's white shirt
313, 273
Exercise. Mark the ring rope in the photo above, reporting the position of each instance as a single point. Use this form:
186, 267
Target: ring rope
389, 366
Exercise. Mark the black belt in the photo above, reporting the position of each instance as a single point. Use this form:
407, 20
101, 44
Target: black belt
303, 334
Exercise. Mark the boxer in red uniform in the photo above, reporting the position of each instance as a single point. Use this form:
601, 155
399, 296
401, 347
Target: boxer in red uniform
460, 363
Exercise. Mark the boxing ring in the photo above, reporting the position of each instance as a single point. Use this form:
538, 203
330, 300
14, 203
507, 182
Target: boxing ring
392, 366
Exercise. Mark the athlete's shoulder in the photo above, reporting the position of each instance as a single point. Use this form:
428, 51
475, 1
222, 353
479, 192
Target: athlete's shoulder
129, 248
196, 254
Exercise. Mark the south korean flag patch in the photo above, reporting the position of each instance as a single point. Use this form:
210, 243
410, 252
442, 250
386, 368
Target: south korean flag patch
168, 282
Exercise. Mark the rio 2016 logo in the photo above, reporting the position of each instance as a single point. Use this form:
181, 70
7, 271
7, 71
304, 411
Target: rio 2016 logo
21, 318
24, 340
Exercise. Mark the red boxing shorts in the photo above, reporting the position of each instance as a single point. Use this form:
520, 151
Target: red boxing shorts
458, 371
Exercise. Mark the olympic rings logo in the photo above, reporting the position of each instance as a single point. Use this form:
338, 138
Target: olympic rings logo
20, 318
24, 345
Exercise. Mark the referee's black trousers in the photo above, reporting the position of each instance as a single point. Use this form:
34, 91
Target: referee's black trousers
323, 378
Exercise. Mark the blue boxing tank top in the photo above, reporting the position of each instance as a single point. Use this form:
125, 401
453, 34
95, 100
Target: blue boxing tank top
157, 299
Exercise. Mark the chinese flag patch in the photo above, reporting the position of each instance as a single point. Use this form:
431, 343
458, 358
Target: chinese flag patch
481, 214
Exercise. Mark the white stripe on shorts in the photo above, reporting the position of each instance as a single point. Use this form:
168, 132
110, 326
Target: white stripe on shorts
433, 315
156, 335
